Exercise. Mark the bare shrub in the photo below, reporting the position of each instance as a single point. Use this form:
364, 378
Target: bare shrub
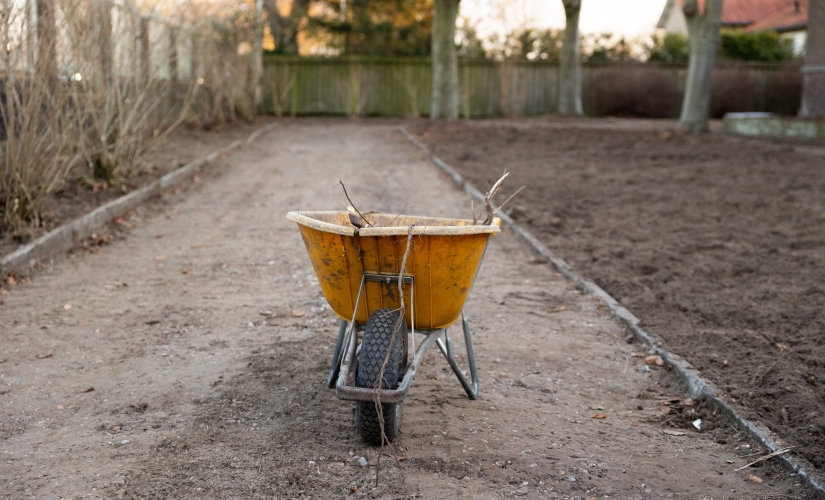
640, 90
742, 88
734, 90
38, 121
104, 82
279, 80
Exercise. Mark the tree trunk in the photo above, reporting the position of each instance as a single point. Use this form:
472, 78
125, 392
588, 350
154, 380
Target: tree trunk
106, 53
46, 65
258, 56
813, 90
444, 103
703, 29
145, 50
570, 68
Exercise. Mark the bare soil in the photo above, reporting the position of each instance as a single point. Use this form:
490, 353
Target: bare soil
188, 357
80, 195
716, 242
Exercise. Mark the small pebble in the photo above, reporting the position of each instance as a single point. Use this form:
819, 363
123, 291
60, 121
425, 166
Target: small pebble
362, 462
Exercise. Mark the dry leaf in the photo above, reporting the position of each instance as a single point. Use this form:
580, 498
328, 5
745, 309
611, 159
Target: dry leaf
90, 389
3, 291
755, 479
44, 356
353, 489
61, 407
99, 361
118, 220
654, 359
659, 361
636, 355
729, 462
298, 313
160, 257
689, 402
674, 433
66, 307
599, 416
11, 280
2, 360
185, 271
2, 303
665, 409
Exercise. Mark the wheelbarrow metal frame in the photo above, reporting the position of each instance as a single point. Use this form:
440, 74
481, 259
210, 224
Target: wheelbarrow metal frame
346, 347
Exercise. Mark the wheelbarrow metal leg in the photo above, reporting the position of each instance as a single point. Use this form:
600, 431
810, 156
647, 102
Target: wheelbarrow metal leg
335, 367
447, 351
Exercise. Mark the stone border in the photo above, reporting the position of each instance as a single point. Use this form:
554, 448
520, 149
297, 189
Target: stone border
65, 236
768, 125
698, 387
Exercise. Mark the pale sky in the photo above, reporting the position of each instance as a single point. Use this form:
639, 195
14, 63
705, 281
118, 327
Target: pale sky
629, 18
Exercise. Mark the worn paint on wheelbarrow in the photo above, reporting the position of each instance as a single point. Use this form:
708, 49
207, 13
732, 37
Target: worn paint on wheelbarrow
444, 259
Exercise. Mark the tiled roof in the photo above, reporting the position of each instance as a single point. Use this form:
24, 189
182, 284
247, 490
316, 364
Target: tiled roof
745, 12
789, 18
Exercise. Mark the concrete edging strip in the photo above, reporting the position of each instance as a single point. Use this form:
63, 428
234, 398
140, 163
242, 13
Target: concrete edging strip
65, 236
697, 386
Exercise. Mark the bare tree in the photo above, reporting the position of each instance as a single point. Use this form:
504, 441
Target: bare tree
570, 69
444, 103
703, 28
813, 94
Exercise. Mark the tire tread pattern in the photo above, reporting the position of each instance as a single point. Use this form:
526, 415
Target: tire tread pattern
377, 338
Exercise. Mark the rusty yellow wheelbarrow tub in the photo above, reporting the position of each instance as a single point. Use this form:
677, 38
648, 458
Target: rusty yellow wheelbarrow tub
444, 258
359, 272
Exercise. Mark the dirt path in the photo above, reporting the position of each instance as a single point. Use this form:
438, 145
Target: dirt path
208, 381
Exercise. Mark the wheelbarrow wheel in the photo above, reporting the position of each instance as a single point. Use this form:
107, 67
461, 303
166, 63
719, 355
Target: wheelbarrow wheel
378, 339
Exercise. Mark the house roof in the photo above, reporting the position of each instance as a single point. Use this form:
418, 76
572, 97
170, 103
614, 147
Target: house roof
791, 17
744, 12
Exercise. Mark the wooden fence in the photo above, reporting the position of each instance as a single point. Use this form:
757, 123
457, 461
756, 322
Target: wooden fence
401, 87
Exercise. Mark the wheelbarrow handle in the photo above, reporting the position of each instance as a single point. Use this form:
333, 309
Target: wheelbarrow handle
337, 354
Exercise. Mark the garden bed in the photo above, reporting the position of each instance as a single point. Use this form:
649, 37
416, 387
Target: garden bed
716, 242
80, 195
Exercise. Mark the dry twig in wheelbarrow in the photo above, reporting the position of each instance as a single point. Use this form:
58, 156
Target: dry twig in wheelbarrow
379, 408
488, 201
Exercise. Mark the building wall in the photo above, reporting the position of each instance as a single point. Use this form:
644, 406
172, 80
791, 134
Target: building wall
676, 22
798, 39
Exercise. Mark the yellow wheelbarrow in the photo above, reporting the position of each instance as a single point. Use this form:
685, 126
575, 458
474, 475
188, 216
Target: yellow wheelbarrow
358, 271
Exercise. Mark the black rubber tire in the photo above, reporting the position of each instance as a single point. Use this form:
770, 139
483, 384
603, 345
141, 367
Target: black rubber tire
377, 338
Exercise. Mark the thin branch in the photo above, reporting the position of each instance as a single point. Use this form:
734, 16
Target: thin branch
353, 204
488, 198
508, 199
389, 224
762, 459
379, 408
